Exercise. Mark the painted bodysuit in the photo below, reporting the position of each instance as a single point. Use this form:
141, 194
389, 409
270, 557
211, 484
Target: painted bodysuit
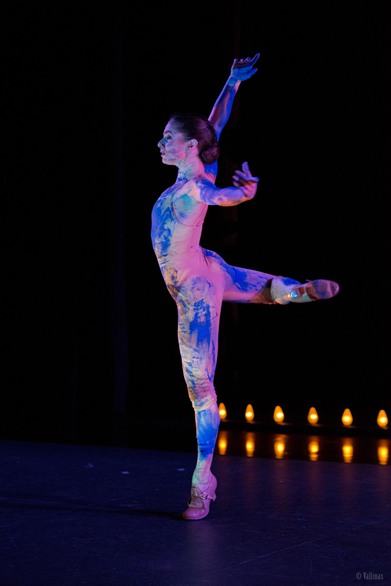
199, 280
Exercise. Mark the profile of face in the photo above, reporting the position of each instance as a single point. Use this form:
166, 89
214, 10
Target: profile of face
174, 148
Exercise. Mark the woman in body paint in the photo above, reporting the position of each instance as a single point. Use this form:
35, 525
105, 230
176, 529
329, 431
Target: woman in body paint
200, 280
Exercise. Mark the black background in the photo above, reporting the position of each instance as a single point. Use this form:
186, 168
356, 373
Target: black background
90, 328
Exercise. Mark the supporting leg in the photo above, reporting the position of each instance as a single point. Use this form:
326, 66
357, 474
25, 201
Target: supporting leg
199, 315
204, 483
207, 425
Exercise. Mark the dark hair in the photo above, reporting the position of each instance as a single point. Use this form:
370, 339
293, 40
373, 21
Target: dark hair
199, 127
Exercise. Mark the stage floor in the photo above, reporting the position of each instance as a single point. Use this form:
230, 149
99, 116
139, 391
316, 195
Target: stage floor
75, 515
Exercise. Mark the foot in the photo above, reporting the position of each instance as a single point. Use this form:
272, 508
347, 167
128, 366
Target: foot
200, 499
284, 291
313, 290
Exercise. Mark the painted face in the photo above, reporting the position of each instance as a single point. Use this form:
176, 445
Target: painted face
172, 146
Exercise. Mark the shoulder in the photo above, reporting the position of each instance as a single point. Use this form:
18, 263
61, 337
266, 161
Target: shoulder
202, 189
195, 186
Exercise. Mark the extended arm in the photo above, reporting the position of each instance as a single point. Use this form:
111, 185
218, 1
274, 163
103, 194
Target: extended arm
244, 190
221, 111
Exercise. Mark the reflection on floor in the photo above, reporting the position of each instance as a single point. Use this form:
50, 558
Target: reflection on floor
304, 447
322, 447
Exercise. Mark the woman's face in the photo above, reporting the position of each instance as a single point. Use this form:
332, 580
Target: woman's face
173, 146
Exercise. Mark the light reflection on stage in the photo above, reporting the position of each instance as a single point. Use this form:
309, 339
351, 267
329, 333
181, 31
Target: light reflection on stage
367, 450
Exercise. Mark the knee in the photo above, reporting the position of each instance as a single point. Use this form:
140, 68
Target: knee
202, 396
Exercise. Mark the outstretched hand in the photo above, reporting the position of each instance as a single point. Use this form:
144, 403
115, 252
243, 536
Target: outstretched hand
245, 181
243, 69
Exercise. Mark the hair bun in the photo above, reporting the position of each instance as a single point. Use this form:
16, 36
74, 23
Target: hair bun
210, 154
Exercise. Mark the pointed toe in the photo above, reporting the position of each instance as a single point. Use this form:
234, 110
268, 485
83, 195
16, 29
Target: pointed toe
315, 290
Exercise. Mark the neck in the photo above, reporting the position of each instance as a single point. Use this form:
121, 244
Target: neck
188, 169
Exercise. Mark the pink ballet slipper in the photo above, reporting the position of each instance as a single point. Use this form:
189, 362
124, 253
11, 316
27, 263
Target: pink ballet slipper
199, 503
314, 290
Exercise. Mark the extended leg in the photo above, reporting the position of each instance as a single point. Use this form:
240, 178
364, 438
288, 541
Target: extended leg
249, 286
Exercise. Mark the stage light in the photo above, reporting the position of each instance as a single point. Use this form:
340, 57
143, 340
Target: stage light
222, 411
347, 417
382, 419
249, 413
278, 415
313, 415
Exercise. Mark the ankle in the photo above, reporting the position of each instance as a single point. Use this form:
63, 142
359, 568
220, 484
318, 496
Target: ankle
280, 289
201, 479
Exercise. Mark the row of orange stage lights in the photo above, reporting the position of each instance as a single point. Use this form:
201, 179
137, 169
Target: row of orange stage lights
312, 417
281, 450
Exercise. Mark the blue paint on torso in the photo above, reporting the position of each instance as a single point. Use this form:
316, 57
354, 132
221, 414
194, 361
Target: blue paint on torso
174, 243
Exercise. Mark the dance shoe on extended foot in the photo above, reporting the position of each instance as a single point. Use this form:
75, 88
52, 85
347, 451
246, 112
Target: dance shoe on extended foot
314, 290
199, 503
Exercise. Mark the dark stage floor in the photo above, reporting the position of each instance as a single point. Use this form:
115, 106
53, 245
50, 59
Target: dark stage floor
75, 515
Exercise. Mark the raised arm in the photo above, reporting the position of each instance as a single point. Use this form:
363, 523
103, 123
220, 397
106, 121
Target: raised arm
221, 111
244, 190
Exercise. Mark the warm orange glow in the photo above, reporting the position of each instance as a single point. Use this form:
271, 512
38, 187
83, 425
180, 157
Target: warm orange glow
279, 449
250, 443
347, 451
278, 415
222, 442
313, 415
222, 411
222, 446
313, 448
383, 455
250, 448
382, 419
249, 413
347, 417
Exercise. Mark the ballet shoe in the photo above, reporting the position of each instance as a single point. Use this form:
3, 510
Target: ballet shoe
319, 289
199, 502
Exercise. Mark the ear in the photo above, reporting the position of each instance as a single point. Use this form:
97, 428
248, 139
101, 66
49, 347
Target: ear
192, 143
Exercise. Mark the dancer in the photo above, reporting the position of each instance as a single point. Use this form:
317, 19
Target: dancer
200, 280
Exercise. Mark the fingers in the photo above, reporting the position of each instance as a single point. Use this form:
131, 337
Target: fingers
244, 61
244, 176
255, 59
248, 61
246, 168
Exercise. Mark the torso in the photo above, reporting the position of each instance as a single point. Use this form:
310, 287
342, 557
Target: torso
176, 228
